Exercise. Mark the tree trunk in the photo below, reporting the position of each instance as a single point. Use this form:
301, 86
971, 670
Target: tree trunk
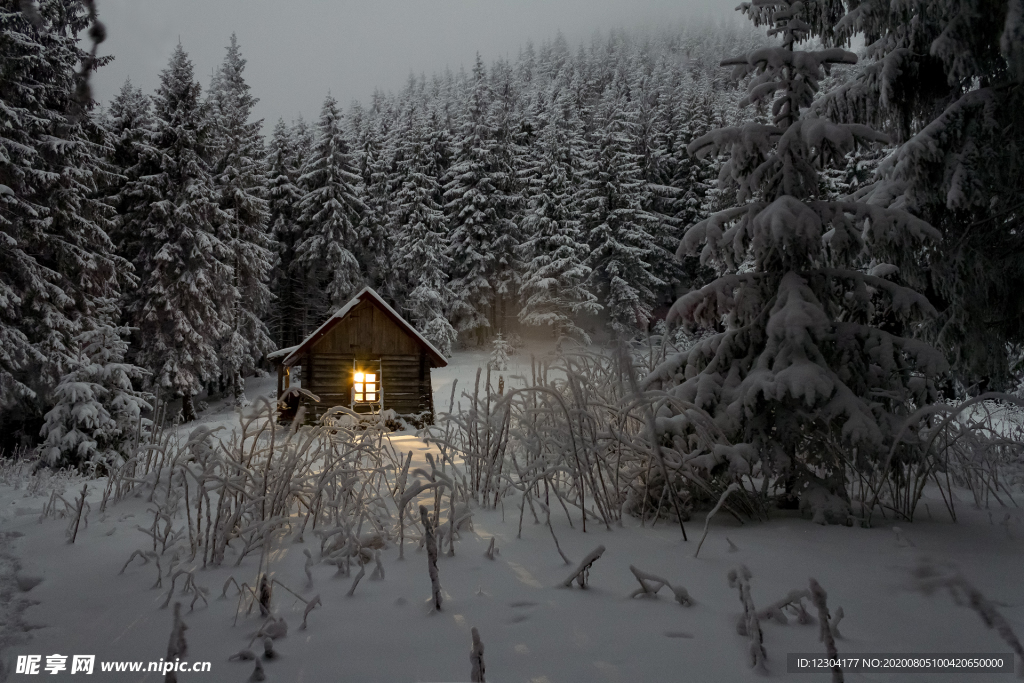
238, 385
188, 408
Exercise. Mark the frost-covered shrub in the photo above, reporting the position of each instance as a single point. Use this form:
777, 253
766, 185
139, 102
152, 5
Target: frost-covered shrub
97, 414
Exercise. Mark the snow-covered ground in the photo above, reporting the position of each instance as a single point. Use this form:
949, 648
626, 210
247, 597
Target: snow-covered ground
60, 598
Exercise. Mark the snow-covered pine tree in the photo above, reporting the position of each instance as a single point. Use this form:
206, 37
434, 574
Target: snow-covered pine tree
945, 76
421, 235
284, 196
331, 210
96, 420
813, 352
376, 166
56, 260
186, 289
480, 211
500, 351
512, 135
620, 233
554, 249
241, 180
128, 122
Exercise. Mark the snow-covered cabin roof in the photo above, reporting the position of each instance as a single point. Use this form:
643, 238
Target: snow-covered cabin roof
281, 353
295, 352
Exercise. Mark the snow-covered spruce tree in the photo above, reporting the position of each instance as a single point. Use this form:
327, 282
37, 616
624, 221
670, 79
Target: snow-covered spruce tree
421, 235
813, 361
186, 290
96, 417
946, 77
620, 233
284, 195
480, 210
56, 260
330, 213
241, 181
554, 250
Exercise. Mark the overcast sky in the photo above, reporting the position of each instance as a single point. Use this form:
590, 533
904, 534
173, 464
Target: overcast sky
297, 50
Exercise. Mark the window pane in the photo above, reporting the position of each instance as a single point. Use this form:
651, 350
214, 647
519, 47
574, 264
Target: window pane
371, 397
359, 386
370, 377
359, 398
359, 377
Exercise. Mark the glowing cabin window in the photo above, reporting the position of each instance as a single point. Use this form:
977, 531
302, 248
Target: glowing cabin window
366, 388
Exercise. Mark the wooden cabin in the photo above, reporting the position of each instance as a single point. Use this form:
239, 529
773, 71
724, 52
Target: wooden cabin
366, 357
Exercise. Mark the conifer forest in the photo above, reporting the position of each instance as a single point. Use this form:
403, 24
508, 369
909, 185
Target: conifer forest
744, 299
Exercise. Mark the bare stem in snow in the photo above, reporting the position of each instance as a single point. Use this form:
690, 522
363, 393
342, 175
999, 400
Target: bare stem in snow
748, 624
929, 579
721, 500
176, 646
820, 599
431, 543
78, 514
355, 581
476, 659
266, 591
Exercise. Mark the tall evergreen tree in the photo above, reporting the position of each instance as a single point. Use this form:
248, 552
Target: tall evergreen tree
241, 182
283, 159
56, 260
945, 78
480, 212
331, 210
421, 235
554, 250
811, 352
624, 251
184, 301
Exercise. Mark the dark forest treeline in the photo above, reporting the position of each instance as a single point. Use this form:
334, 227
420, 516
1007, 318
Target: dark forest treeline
168, 242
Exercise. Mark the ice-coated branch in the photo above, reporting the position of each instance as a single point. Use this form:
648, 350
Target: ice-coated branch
721, 500
431, 544
310, 606
582, 572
